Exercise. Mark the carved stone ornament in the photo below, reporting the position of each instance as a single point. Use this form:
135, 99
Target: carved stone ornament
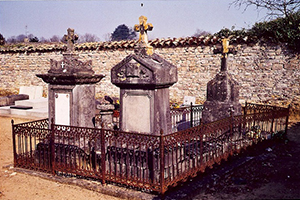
70, 70
144, 71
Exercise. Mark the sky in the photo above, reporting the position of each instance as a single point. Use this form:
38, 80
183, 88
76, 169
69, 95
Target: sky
170, 18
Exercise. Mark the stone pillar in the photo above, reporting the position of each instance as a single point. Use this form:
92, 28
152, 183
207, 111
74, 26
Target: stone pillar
222, 98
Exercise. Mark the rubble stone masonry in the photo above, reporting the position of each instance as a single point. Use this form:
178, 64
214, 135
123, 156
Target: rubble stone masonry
265, 73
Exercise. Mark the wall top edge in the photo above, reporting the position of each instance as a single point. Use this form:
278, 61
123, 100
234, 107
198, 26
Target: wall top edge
124, 44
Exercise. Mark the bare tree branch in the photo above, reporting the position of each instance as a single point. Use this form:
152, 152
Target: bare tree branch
279, 8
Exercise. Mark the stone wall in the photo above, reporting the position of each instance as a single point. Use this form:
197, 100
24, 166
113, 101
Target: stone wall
264, 72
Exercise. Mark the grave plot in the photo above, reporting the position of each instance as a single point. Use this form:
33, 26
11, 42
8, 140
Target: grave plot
153, 148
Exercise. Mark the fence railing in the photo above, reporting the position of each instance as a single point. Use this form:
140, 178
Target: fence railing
186, 117
143, 161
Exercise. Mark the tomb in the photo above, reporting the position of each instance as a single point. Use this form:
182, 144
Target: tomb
71, 90
222, 92
144, 79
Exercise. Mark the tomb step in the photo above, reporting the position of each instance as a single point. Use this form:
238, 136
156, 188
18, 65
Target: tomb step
21, 107
34, 103
42, 112
39, 112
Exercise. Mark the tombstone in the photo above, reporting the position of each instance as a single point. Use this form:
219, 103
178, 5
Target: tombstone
188, 100
106, 115
144, 79
222, 92
71, 91
34, 92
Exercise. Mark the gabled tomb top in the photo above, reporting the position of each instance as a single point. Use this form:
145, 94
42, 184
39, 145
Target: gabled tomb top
144, 69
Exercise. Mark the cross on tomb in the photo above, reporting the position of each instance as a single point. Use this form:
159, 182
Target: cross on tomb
142, 28
62, 64
70, 38
225, 50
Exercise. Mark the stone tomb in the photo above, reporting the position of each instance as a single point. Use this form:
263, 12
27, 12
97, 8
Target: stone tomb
71, 90
144, 79
222, 93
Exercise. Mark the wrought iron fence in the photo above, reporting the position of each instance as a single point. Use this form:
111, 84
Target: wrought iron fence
186, 117
144, 161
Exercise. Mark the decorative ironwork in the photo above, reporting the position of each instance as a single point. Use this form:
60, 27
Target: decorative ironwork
144, 161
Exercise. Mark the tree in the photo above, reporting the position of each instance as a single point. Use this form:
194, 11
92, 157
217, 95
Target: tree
20, 38
2, 39
122, 32
200, 32
88, 37
44, 39
277, 8
55, 38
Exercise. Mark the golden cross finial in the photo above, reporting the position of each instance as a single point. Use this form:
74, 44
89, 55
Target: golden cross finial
70, 38
143, 27
225, 45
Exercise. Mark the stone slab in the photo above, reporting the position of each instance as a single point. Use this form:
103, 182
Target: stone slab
35, 103
10, 100
62, 109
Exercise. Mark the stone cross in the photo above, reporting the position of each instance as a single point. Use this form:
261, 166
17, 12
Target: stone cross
62, 64
225, 50
70, 38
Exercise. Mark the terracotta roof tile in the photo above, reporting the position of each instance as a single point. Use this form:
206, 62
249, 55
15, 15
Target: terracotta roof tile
125, 44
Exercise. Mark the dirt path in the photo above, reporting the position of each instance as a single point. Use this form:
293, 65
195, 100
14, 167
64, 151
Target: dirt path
20, 186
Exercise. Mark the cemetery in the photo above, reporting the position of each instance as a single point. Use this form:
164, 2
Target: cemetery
143, 144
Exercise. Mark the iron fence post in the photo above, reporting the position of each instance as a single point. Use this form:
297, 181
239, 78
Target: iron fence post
162, 163
244, 118
103, 155
272, 123
231, 122
14, 143
191, 115
52, 147
287, 119
201, 147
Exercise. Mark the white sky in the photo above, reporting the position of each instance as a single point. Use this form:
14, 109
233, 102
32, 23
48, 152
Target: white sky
170, 18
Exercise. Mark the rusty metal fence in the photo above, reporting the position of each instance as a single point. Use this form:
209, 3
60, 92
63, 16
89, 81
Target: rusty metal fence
185, 117
144, 161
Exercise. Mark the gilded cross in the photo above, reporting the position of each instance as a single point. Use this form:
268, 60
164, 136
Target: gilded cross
225, 50
62, 65
70, 38
143, 27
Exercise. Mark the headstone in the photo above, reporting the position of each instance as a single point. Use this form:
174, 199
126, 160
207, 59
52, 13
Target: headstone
34, 92
222, 92
106, 115
71, 90
188, 100
144, 79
